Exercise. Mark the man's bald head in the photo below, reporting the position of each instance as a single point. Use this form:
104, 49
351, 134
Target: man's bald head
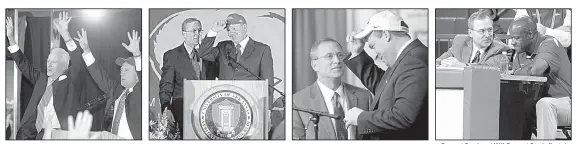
523, 24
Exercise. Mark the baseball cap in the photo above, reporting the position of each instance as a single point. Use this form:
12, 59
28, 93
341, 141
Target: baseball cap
385, 20
130, 60
235, 19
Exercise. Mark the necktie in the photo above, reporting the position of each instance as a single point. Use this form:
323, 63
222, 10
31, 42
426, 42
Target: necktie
119, 112
42, 106
238, 52
195, 62
341, 132
476, 58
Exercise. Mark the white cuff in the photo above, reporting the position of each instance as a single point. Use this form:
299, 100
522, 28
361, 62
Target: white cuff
211, 33
13, 48
71, 45
138, 61
88, 58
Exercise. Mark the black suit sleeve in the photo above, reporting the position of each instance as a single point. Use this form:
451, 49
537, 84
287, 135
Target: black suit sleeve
27, 130
363, 67
26, 68
104, 82
206, 51
167, 81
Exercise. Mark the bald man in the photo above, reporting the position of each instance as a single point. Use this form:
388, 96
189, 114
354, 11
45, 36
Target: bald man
544, 56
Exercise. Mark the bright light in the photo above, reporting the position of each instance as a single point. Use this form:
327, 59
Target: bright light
95, 13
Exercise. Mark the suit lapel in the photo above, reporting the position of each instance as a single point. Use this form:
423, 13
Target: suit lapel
467, 51
350, 94
317, 103
183, 55
38, 92
248, 49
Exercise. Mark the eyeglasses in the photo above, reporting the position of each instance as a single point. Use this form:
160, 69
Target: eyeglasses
484, 31
330, 56
198, 31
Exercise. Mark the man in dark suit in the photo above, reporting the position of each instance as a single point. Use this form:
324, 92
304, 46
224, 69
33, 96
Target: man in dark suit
56, 92
183, 62
399, 110
329, 94
123, 111
478, 47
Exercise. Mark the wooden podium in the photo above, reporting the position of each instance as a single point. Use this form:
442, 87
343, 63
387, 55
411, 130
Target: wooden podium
477, 103
226, 110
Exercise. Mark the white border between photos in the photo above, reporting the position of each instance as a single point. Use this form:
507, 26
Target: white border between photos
288, 5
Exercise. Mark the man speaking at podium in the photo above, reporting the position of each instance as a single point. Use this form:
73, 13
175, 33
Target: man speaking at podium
545, 57
328, 94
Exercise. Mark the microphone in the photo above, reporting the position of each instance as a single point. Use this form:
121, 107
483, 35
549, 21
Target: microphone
314, 112
92, 103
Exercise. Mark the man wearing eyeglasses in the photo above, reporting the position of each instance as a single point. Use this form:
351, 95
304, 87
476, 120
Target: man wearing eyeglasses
545, 58
183, 62
328, 94
478, 47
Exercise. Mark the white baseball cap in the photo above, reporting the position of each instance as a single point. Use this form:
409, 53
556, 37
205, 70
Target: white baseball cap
385, 20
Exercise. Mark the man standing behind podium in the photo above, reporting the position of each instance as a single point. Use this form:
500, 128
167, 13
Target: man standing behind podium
56, 92
123, 112
328, 94
546, 58
399, 110
478, 47
183, 62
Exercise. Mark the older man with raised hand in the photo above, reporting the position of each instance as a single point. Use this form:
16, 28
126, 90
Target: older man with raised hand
546, 58
123, 112
478, 47
399, 110
56, 92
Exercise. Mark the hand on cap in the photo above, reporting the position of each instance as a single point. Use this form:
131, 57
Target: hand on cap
61, 24
355, 46
10, 30
83, 40
219, 26
134, 46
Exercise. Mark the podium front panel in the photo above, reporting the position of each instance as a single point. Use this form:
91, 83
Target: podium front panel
225, 110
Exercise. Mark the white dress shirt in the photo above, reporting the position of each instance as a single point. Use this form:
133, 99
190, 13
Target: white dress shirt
328, 93
49, 111
474, 50
123, 128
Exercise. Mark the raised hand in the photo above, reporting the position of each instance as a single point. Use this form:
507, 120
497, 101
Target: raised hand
355, 46
61, 24
10, 30
81, 128
83, 40
219, 26
134, 46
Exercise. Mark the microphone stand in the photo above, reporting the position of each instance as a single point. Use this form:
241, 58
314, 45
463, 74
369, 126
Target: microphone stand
230, 59
315, 119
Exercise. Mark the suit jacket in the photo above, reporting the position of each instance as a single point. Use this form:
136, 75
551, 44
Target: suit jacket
462, 50
311, 98
177, 66
257, 58
113, 90
66, 91
400, 106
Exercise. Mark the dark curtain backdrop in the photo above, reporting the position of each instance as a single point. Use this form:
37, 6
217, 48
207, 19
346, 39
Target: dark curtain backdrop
310, 25
36, 48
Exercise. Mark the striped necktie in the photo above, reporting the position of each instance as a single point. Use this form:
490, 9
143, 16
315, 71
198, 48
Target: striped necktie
341, 132
42, 106
119, 112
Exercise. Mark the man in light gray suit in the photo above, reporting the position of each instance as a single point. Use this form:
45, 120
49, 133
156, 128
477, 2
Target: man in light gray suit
329, 94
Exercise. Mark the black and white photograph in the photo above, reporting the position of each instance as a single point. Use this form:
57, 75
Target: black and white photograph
73, 74
217, 74
503, 74
360, 74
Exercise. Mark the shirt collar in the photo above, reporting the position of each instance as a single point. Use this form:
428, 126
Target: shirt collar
329, 93
404, 47
474, 49
189, 50
243, 43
